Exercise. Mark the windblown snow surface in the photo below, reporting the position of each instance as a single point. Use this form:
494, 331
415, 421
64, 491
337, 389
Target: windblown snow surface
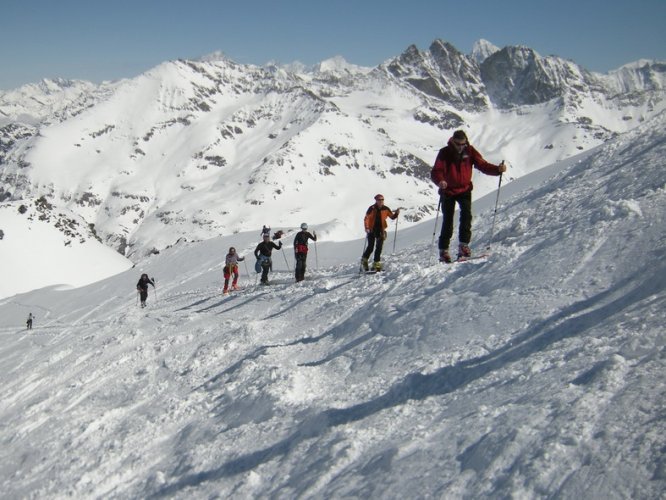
535, 373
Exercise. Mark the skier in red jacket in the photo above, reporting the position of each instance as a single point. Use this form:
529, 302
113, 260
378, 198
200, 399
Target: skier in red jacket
453, 175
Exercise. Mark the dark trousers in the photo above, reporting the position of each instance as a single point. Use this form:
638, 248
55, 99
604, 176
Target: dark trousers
372, 240
464, 201
265, 267
301, 260
143, 294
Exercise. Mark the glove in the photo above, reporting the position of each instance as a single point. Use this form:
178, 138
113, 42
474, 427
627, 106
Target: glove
501, 167
280, 245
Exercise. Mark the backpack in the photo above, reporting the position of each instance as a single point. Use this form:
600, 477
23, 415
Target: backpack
262, 261
301, 243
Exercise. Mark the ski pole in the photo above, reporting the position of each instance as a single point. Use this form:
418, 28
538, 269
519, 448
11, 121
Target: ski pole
395, 235
246, 270
492, 227
365, 245
316, 254
432, 243
285, 259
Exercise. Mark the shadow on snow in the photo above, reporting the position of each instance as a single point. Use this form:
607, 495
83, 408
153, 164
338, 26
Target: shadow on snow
570, 322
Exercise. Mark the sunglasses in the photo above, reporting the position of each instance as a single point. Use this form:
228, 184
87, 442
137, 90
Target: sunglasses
460, 144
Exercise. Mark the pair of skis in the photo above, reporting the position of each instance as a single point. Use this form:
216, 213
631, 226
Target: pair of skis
467, 259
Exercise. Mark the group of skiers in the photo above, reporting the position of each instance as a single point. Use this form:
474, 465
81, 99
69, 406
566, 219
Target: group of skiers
452, 174
264, 250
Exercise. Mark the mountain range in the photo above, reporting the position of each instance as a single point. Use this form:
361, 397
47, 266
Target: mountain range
194, 149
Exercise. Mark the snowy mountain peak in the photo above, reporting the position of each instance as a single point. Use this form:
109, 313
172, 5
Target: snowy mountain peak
338, 64
482, 49
217, 55
639, 64
442, 73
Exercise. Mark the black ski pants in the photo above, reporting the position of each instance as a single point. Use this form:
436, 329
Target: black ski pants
266, 265
464, 202
373, 239
301, 261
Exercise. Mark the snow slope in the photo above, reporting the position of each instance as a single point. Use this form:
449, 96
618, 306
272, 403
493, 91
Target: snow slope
36, 251
536, 373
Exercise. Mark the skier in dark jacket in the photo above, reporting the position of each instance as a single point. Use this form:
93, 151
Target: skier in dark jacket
452, 173
375, 229
263, 254
142, 288
28, 323
301, 250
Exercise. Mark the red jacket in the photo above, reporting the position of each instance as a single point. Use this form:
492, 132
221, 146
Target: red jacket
456, 169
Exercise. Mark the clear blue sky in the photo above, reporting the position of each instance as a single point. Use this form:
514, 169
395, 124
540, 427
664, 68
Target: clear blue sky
111, 39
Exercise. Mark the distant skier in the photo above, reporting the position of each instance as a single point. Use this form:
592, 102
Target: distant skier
452, 173
375, 229
265, 230
301, 250
231, 267
263, 254
142, 288
28, 323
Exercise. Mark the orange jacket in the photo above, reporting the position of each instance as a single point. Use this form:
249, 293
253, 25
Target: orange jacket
371, 217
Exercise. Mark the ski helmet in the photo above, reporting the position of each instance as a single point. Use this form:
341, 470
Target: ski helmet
304, 226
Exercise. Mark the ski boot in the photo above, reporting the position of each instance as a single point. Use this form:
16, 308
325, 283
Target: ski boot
464, 252
364, 263
445, 256
377, 266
